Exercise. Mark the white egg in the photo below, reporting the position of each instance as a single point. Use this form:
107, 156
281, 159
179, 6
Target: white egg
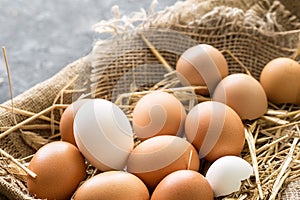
103, 134
226, 173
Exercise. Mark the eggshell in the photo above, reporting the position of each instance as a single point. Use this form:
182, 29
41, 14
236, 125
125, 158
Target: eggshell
103, 134
59, 167
183, 185
215, 130
202, 65
158, 113
244, 94
155, 158
67, 121
226, 173
280, 79
112, 185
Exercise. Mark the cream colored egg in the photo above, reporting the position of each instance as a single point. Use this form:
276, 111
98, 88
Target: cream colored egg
103, 134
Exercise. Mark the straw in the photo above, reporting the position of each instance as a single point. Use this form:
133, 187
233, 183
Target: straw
190, 160
30, 119
27, 113
29, 172
157, 54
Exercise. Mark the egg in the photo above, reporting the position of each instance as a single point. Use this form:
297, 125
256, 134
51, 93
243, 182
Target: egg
244, 94
67, 121
103, 134
202, 65
280, 79
182, 185
112, 185
158, 113
226, 173
59, 167
155, 158
215, 130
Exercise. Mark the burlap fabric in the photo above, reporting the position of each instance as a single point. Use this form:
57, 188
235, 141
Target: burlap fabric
254, 31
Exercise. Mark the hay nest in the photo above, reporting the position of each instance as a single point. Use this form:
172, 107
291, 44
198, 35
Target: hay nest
125, 67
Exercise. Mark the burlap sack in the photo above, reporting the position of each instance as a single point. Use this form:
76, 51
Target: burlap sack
254, 31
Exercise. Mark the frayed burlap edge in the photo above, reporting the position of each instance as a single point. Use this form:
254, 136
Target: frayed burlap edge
35, 99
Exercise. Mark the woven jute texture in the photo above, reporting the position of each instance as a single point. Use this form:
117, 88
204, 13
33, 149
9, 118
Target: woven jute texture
253, 31
35, 100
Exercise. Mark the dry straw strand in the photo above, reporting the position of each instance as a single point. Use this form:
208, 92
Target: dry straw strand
34, 140
28, 120
282, 176
237, 60
31, 127
275, 120
282, 126
252, 149
27, 113
267, 146
121, 97
296, 55
9, 81
60, 96
14, 169
190, 160
29, 172
157, 54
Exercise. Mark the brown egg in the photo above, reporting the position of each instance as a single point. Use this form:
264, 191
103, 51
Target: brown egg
67, 119
155, 158
59, 167
242, 93
215, 130
110, 185
158, 113
183, 185
202, 65
280, 79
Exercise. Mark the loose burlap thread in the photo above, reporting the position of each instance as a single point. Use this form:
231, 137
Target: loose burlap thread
254, 31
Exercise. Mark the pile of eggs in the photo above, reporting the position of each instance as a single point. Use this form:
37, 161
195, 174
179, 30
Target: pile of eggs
166, 163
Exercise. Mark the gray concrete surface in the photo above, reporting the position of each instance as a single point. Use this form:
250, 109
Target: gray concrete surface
42, 37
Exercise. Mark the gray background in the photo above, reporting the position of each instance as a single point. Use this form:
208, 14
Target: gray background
43, 36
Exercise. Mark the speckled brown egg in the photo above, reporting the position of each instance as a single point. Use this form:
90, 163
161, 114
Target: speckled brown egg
244, 94
183, 185
202, 65
280, 79
158, 113
59, 167
155, 158
215, 130
112, 185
